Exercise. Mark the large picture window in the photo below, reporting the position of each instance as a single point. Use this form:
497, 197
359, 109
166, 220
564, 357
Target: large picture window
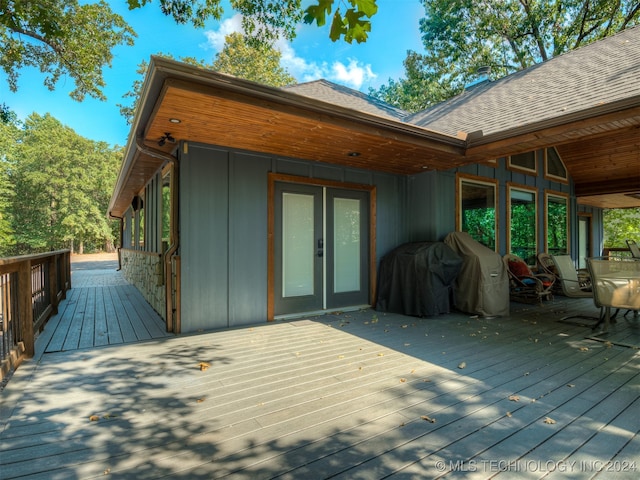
476, 207
557, 223
522, 225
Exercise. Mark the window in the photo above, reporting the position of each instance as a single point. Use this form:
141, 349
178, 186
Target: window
524, 162
141, 230
554, 168
557, 223
166, 209
522, 225
476, 207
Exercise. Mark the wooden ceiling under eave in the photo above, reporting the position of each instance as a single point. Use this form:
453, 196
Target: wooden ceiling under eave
233, 120
601, 153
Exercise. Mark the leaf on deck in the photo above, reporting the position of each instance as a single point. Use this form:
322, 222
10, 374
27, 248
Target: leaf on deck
550, 421
514, 398
203, 366
426, 418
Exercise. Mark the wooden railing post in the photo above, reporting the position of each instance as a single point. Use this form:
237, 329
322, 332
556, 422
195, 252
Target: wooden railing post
25, 308
54, 288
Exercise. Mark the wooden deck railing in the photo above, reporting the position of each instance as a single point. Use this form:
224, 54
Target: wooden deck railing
31, 286
617, 252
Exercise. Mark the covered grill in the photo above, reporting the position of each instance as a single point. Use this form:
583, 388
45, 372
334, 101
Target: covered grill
416, 279
483, 284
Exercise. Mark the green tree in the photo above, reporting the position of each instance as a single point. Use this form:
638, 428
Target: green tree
61, 37
260, 63
9, 132
620, 225
266, 20
69, 37
460, 36
62, 184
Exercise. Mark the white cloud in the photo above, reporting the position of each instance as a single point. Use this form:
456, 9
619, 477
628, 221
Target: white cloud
215, 38
353, 74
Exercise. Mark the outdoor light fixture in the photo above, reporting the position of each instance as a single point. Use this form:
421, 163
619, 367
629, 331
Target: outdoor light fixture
175, 120
166, 138
353, 154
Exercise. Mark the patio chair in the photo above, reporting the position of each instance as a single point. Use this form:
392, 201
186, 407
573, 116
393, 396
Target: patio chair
524, 285
633, 248
572, 286
568, 279
616, 285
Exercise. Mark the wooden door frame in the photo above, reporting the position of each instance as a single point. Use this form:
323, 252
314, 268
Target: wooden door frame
277, 177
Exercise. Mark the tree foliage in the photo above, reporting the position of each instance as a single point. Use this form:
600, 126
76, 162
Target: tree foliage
74, 38
61, 185
61, 37
620, 225
460, 36
259, 63
266, 20
8, 141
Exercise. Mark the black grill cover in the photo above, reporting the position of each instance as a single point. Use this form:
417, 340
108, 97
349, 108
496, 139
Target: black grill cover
416, 278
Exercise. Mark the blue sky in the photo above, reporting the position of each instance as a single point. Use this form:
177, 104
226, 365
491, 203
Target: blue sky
310, 56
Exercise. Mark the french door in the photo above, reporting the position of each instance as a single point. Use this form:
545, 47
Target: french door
321, 248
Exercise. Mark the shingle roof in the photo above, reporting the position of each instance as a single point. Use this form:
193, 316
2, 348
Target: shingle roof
346, 97
597, 74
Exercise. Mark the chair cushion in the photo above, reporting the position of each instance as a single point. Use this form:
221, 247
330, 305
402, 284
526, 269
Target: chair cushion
519, 269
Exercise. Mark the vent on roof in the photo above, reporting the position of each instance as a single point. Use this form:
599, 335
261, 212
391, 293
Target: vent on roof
482, 76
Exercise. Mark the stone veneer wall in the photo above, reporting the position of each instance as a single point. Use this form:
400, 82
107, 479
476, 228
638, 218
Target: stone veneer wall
146, 271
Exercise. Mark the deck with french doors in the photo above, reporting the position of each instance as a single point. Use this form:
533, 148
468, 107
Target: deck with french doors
353, 395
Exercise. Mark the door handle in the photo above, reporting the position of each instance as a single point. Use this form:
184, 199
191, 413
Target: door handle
320, 247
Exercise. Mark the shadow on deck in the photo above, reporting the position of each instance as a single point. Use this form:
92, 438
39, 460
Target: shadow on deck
355, 395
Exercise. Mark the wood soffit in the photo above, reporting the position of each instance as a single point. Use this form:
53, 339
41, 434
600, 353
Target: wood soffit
601, 153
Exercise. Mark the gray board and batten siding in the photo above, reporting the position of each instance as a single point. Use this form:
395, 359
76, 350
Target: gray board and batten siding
224, 224
223, 229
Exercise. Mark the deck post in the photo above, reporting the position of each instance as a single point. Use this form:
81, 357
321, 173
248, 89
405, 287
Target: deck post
54, 288
25, 307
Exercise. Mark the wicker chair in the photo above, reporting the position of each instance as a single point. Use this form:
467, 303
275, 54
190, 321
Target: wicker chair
524, 285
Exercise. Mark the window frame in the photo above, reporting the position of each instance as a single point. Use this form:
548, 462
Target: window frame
485, 182
551, 176
523, 188
519, 168
566, 197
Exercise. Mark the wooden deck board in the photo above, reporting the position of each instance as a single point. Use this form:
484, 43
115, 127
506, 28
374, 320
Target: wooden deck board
101, 333
101, 309
114, 333
340, 395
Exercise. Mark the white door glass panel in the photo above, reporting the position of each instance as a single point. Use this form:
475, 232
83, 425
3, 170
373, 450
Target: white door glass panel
297, 245
583, 237
346, 243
